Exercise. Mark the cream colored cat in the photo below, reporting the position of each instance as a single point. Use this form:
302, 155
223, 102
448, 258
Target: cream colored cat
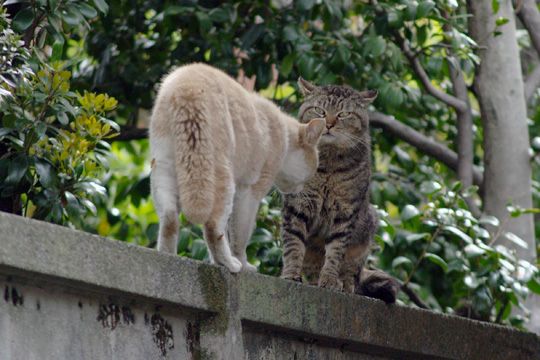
216, 151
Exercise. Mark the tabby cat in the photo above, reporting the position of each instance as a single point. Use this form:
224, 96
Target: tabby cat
328, 228
216, 151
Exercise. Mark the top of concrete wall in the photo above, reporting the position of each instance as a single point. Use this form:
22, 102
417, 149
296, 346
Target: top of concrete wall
41, 252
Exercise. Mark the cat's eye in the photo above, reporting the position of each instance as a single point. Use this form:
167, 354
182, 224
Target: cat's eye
344, 114
319, 111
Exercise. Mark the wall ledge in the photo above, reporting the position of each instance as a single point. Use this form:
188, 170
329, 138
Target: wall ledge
221, 315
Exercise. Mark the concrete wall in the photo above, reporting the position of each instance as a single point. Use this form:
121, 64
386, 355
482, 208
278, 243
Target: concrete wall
71, 295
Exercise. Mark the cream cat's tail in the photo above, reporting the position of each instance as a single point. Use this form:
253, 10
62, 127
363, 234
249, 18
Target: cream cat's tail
194, 161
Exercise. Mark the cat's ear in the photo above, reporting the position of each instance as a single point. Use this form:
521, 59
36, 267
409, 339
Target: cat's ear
313, 131
368, 96
305, 86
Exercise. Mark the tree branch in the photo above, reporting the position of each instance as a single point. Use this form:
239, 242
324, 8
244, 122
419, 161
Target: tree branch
532, 82
530, 17
448, 99
423, 143
130, 133
465, 139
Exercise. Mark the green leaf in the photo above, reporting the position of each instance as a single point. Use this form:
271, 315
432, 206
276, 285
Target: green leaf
495, 5
290, 33
379, 240
219, 15
400, 260
23, 19
57, 51
436, 259
87, 11
344, 53
198, 249
252, 35
472, 251
458, 233
306, 65
375, 46
4, 131
204, 22
40, 129
72, 16
73, 207
46, 173
501, 21
415, 237
62, 118
534, 286
287, 65
421, 34
516, 240
489, 220
409, 212
430, 187
424, 8
471, 281
89, 205
183, 239
395, 19
305, 4
102, 6
17, 168
471, 190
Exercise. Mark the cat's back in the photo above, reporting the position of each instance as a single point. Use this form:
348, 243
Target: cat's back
199, 79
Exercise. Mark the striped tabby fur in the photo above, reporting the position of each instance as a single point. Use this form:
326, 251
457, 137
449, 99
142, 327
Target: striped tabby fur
328, 228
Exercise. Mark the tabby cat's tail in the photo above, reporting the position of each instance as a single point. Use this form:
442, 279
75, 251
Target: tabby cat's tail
194, 160
377, 284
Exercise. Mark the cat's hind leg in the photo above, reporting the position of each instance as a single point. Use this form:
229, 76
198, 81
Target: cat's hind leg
355, 257
215, 229
242, 223
165, 195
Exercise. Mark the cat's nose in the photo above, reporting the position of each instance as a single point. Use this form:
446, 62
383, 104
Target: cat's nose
330, 122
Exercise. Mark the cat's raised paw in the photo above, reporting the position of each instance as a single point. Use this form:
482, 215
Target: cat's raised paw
330, 282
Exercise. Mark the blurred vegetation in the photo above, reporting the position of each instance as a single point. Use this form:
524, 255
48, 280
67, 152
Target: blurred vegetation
57, 162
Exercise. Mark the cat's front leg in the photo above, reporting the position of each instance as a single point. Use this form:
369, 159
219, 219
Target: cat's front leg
335, 252
294, 235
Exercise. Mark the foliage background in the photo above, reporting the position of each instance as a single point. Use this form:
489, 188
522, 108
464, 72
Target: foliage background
428, 238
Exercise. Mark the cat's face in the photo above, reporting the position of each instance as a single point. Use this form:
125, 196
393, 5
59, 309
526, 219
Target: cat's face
343, 109
302, 158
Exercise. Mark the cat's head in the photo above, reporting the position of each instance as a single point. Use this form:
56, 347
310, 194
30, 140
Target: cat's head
302, 158
343, 108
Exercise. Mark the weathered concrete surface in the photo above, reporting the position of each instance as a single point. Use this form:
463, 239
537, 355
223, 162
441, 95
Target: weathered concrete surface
70, 295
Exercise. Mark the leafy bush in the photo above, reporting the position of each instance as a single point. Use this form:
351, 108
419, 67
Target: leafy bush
441, 246
52, 139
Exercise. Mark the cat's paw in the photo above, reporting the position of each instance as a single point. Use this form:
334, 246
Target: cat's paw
292, 277
248, 267
233, 264
330, 282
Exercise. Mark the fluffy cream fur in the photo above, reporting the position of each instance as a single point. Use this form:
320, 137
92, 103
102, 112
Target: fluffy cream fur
216, 150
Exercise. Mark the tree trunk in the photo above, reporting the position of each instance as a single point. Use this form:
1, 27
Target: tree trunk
499, 85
